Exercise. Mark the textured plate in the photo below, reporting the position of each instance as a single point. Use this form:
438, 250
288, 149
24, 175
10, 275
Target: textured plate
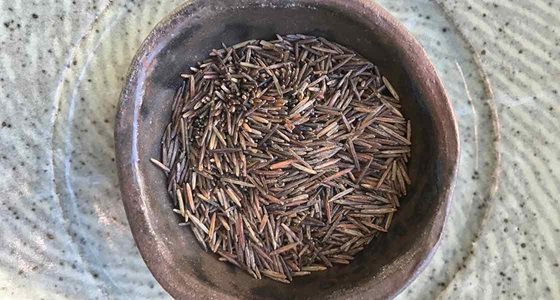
72, 239
80, 129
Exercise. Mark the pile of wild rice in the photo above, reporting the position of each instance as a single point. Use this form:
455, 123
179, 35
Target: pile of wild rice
286, 156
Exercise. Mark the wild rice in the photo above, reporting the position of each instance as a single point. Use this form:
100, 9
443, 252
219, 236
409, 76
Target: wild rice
286, 156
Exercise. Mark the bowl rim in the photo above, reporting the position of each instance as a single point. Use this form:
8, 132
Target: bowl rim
131, 179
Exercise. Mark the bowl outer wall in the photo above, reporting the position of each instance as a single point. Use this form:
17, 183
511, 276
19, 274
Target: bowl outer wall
155, 251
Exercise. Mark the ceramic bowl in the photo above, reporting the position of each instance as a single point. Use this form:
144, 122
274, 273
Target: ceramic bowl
186, 36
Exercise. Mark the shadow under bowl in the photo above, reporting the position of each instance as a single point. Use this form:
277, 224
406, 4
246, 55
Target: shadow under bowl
186, 36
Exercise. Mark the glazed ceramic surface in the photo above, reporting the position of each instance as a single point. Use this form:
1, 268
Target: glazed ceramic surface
64, 233
172, 254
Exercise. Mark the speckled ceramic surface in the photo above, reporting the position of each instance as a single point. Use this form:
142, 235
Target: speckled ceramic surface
63, 231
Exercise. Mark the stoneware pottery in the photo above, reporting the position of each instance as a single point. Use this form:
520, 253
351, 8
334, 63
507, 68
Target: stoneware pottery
186, 36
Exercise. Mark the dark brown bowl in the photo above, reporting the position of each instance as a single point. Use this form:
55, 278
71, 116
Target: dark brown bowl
387, 265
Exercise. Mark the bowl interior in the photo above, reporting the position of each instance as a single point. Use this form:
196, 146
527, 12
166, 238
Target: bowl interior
172, 253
